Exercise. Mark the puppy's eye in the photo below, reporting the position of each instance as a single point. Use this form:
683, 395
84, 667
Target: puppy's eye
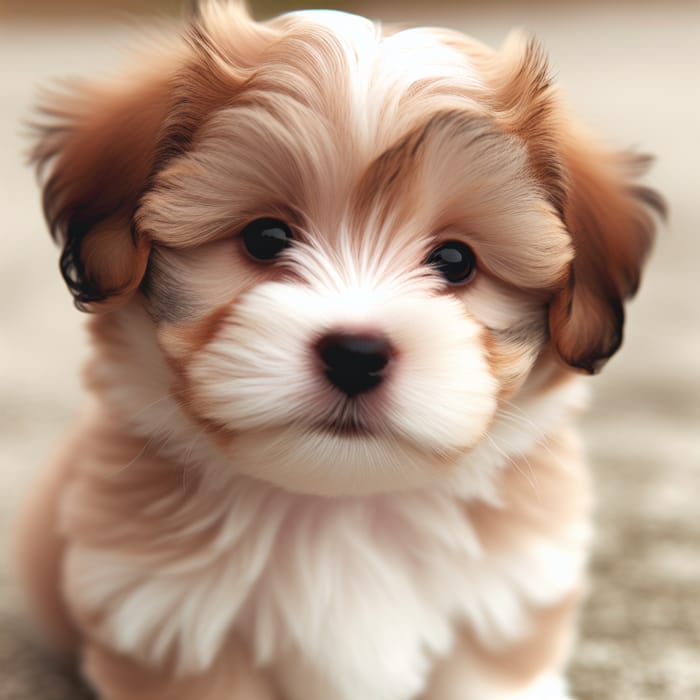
265, 239
454, 260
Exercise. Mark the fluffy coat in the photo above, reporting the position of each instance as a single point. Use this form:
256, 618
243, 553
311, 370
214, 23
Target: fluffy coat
224, 523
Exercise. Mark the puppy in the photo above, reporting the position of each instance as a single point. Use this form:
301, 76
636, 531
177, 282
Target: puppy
345, 280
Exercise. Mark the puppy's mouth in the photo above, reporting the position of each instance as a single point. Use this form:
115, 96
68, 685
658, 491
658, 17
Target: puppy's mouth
345, 427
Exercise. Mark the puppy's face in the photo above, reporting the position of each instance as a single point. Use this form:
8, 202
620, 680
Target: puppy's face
353, 248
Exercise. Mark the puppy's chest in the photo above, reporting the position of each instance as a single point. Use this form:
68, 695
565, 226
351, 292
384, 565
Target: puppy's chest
360, 594
354, 597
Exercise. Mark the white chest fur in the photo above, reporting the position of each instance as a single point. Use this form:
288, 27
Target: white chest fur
356, 596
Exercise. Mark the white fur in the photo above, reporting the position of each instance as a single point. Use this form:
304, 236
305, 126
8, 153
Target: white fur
351, 596
545, 688
381, 70
273, 395
344, 562
337, 585
548, 687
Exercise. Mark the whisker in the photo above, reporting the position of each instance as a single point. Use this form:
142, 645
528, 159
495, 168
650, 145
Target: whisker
187, 458
152, 439
519, 418
523, 420
145, 408
531, 478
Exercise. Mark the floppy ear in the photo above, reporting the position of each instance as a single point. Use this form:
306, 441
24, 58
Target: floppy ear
99, 147
612, 223
611, 219
94, 153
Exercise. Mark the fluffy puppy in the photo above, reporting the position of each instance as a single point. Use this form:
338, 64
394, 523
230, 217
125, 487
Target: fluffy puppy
344, 282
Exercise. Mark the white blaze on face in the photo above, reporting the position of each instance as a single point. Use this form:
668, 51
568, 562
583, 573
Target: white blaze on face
380, 68
260, 378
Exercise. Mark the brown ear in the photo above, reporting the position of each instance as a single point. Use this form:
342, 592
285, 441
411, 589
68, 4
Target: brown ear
611, 218
100, 146
94, 153
612, 223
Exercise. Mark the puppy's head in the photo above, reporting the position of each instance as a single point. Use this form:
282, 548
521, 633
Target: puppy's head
353, 247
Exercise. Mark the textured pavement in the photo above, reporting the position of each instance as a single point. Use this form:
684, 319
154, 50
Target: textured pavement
634, 72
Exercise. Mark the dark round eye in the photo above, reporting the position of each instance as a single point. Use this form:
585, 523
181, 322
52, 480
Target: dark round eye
454, 260
265, 239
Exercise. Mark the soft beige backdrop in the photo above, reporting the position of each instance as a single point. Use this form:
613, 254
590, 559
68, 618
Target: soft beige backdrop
633, 71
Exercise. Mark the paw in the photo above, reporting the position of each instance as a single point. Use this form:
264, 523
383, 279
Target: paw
546, 688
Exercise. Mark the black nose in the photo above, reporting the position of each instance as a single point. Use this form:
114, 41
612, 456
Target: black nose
354, 362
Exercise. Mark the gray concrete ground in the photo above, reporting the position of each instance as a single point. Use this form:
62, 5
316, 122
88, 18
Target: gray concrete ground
633, 71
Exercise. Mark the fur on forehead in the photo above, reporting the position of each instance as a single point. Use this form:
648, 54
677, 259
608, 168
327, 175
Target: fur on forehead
339, 128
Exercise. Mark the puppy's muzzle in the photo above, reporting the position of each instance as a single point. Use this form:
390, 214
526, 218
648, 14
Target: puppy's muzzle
353, 362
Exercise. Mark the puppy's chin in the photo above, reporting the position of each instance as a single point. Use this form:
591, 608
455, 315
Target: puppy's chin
323, 462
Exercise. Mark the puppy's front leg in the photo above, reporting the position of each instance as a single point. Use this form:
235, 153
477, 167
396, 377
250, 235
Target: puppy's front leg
231, 677
40, 549
529, 670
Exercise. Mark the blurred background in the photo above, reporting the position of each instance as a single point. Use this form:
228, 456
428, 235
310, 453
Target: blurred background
632, 70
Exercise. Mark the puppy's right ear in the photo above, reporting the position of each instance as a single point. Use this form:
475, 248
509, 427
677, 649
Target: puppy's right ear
94, 153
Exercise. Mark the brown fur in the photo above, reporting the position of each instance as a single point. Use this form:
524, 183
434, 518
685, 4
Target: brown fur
99, 147
147, 184
609, 216
612, 225
40, 550
232, 676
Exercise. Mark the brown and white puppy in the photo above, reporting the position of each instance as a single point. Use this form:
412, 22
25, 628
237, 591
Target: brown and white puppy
344, 282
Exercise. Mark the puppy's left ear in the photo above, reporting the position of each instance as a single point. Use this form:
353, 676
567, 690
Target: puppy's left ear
610, 217
94, 153
612, 221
